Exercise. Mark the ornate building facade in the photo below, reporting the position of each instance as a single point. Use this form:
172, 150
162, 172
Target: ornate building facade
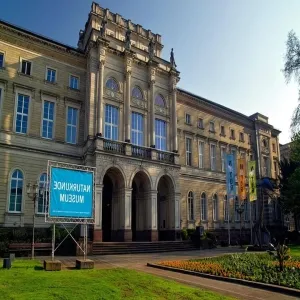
113, 103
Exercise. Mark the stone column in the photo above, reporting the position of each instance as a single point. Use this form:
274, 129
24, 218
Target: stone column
174, 215
125, 232
173, 92
127, 107
100, 99
152, 221
152, 115
98, 214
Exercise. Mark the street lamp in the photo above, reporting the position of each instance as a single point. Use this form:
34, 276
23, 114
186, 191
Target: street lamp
33, 191
240, 209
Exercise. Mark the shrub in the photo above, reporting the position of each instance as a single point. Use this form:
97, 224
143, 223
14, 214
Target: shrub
184, 234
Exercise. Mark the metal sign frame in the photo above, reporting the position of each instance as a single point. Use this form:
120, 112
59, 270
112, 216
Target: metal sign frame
48, 218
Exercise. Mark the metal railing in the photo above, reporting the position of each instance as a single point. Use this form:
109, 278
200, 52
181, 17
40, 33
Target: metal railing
166, 156
141, 152
114, 146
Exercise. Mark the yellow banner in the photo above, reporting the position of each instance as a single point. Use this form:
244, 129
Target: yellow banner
241, 177
252, 180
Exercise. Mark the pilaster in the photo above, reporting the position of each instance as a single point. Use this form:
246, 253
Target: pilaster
152, 71
98, 213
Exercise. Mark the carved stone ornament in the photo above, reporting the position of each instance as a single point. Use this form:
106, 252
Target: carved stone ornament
139, 103
113, 95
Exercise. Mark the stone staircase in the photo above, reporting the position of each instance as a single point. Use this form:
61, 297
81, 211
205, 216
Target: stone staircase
109, 248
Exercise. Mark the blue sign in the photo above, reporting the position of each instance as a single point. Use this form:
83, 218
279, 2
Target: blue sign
230, 176
71, 193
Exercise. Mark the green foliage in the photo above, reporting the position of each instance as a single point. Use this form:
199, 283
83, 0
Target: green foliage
281, 255
26, 281
184, 234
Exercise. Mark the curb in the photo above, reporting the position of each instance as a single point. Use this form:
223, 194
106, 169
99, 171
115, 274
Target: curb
260, 285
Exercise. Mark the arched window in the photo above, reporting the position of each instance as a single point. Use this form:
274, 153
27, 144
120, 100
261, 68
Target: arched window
203, 207
137, 93
16, 191
160, 101
215, 207
43, 184
226, 210
191, 205
112, 85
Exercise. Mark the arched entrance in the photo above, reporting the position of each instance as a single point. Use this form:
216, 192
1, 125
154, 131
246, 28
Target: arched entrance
140, 196
112, 196
165, 193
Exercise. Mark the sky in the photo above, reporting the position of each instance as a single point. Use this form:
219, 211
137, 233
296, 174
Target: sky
228, 51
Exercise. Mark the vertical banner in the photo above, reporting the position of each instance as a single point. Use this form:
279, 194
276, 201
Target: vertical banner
230, 177
252, 180
241, 177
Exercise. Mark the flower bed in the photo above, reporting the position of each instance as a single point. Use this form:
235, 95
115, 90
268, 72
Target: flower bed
253, 267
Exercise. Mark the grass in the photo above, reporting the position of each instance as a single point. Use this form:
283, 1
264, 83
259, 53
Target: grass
27, 280
295, 250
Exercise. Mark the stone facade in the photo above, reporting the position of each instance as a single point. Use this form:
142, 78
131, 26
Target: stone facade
144, 190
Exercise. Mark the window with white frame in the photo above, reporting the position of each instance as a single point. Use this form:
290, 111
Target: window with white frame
203, 202
26, 67
48, 120
51, 75
74, 82
160, 134
188, 149
246, 210
16, 191
236, 207
200, 123
215, 207
1, 60
211, 126
191, 206
137, 129
201, 154
223, 158
22, 113
72, 125
43, 192
213, 157
226, 208
111, 130
188, 119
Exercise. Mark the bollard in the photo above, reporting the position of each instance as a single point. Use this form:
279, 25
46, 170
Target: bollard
6, 263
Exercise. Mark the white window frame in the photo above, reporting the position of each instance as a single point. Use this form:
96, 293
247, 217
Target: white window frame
20, 69
223, 158
139, 130
77, 125
78, 77
9, 191
4, 59
191, 206
213, 159
25, 93
161, 137
188, 152
201, 155
53, 100
215, 207
45, 191
203, 212
188, 119
46, 74
112, 125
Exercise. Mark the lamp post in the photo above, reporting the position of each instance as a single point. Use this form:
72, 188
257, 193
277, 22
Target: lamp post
240, 209
33, 191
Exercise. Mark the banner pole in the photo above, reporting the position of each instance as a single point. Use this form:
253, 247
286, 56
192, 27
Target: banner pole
228, 218
53, 242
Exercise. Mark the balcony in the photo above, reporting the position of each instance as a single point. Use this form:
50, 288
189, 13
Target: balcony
140, 152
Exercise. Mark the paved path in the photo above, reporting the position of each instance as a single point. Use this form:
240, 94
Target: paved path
138, 262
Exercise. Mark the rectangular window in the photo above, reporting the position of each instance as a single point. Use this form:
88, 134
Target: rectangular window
74, 82
22, 114
48, 120
111, 130
201, 155
72, 125
188, 119
222, 130
25, 67
211, 126
188, 148
223, 158
137, 129
273, 147
213, 157
51, 75
1, 60
241, 137
200, 123
160, 134
232, 134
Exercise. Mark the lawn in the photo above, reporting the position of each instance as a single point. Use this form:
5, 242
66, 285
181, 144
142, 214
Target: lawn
248, 266
27, 280
295, 250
